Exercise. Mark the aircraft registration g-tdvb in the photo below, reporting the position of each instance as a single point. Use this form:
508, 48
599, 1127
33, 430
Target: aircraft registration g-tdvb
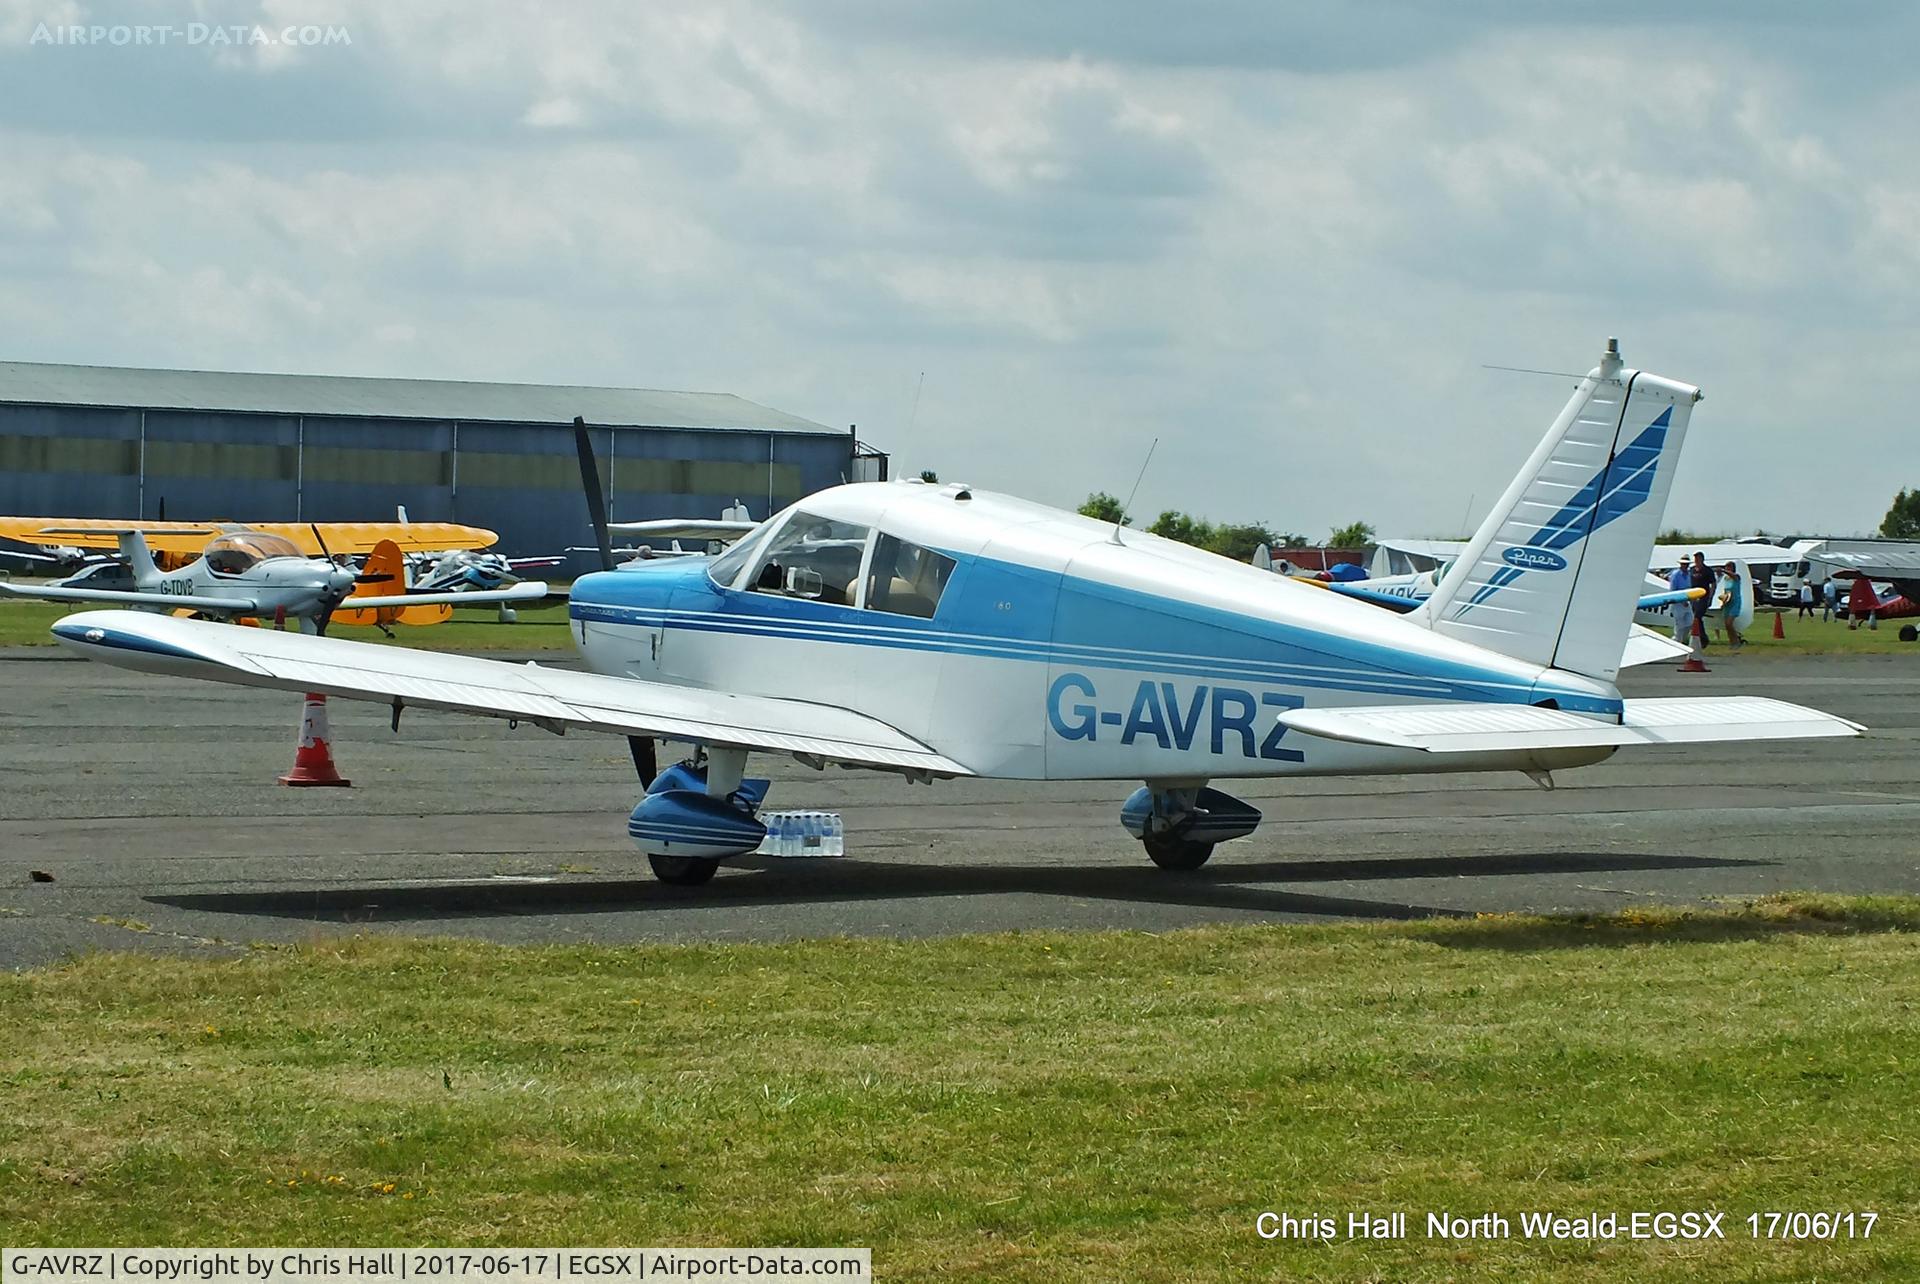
941, 631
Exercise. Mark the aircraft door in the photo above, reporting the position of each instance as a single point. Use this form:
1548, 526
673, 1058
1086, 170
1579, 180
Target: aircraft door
996, 616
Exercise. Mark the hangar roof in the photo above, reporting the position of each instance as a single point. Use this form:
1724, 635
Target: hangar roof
33, 383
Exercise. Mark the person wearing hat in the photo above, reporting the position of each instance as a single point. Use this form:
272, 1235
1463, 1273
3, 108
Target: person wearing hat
1733, 604
1681, 582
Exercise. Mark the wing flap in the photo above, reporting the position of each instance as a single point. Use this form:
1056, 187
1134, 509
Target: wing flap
556, 698
1477, 728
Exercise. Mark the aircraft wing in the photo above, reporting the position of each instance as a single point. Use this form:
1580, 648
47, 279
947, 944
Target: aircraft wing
525, 591
671, 528
1358, 589
1880, 559
1470, 728
343, 538
351, 538
1437, 549
121, 597
552, 698
1666, 556
1652, 600
80, 532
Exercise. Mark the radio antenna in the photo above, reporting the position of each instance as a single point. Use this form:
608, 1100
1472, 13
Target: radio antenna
1126, 507
1558, 374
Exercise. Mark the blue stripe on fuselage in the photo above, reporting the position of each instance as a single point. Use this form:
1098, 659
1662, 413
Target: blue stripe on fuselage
1001, 610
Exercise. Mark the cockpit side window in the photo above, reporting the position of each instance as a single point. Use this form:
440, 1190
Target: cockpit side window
814, 558
907, 579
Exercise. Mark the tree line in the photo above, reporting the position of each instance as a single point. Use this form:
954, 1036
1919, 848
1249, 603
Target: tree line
1236, 540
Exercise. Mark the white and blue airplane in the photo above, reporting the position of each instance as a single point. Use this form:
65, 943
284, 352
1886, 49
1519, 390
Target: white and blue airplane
940, 631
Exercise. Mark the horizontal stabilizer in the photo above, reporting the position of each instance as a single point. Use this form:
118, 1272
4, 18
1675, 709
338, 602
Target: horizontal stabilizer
1644, 646
1479, 728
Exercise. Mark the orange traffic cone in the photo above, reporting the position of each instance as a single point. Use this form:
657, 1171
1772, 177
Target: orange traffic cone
1779, 629
313, 760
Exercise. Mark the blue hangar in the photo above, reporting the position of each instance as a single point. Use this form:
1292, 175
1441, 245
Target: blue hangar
105, 441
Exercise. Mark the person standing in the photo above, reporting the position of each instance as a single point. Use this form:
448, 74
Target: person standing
1681, 582
1829, 598
1701, 576
1733, 604
1806, 601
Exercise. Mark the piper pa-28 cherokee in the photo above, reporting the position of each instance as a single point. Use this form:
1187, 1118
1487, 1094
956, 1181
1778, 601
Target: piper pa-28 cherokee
939, 631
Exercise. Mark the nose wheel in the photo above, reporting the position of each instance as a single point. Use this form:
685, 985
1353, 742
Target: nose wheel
686, 871
1171, 852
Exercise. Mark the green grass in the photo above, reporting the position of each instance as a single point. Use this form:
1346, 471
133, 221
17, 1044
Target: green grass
541, 628
1029, 1107
1817, 637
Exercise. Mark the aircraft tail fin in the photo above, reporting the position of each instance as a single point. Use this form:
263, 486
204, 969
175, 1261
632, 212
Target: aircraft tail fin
1553, 574
139, 559
383, 574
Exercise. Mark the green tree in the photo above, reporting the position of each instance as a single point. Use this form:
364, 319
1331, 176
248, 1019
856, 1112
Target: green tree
1103, 507
1903, 519
1678, 536
1183, 527
1352, 535
1238, 541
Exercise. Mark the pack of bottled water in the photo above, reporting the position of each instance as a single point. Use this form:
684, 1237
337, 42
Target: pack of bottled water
803, 833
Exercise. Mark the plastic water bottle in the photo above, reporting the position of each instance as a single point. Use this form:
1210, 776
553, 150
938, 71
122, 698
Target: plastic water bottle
836, 835
789, 835
811, 835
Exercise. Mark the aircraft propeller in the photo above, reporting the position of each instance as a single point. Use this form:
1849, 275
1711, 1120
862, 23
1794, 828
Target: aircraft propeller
646, 761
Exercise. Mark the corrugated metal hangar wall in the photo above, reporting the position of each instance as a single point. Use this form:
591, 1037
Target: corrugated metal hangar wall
92, 441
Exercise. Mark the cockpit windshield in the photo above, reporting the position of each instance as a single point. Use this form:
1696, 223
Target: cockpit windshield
726, 568
816, 558
232, 554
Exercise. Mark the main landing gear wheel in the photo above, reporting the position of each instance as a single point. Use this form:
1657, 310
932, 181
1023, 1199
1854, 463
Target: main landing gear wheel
687, 871
1171, 852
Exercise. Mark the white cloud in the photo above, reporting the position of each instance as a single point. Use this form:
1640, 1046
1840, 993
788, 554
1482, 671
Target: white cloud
1286, 260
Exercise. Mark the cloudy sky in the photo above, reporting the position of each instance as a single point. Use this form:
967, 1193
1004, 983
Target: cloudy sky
1283, 239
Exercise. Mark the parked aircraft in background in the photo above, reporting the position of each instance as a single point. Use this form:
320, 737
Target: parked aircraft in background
666, 535
48, 559
941, 631
188, 539
251, 574
1646, 642
448, 569
1895, 563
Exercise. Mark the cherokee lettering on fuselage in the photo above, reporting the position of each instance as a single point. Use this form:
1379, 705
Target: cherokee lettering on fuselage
1218, 719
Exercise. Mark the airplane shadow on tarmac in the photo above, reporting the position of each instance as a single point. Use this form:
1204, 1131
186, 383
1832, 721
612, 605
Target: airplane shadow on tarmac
769, 883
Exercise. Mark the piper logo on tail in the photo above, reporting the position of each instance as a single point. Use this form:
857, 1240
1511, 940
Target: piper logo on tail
1534, 559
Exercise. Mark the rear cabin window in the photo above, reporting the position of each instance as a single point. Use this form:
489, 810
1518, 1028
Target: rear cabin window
907, 579
813, 558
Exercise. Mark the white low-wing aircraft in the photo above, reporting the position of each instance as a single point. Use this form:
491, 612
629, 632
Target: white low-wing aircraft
940, 631
242, 573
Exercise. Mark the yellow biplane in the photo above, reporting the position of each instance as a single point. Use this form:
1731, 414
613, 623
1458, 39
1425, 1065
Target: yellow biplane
187, 539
